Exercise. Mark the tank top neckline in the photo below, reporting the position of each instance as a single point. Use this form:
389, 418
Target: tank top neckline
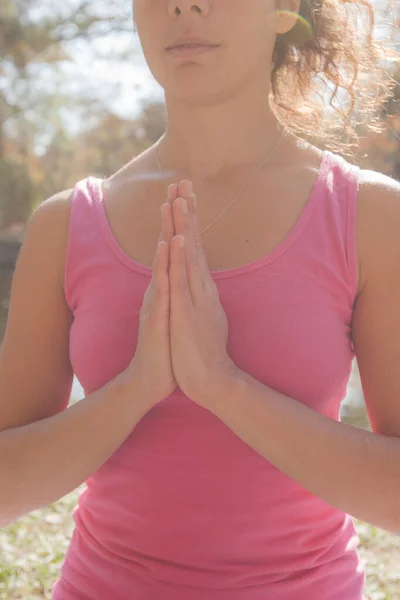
294, 233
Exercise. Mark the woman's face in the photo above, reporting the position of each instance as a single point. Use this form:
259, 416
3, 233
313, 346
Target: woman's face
242, 31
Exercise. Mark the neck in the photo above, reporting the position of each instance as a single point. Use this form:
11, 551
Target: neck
207, 143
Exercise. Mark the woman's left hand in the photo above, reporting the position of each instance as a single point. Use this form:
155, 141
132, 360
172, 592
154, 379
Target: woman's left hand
198, 323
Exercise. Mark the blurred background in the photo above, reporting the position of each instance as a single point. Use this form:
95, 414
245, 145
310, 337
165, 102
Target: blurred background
76, 98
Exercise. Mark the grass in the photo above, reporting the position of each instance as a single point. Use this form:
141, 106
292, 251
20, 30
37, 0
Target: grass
33, 548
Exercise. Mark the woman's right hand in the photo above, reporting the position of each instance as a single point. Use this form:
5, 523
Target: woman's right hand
151, 365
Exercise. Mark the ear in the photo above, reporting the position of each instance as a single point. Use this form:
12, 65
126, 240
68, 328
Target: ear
286, 15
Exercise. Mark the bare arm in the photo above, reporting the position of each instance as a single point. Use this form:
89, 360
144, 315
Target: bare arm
45, 450
43, 461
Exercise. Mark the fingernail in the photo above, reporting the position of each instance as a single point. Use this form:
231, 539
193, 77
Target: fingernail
184, 205
171, 191
188, 186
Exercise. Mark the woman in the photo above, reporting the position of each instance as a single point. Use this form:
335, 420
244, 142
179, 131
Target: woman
209, 436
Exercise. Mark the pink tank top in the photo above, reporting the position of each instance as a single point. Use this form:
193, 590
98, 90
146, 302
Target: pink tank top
185, 510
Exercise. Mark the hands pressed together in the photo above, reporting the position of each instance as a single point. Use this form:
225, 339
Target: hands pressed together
183, 327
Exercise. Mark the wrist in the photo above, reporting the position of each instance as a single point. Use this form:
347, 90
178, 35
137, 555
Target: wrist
223, 387
131, 392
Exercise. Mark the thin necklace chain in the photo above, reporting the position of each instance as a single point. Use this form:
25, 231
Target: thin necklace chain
270, 153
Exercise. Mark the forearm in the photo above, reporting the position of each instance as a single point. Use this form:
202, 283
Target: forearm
45, 460
351, 469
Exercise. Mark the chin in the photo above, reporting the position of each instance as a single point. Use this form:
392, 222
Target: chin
193, 98
195, 90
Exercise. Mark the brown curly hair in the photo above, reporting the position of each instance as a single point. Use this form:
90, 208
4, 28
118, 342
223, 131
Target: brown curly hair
331, 52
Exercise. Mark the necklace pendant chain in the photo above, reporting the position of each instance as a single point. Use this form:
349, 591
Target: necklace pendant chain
258, 169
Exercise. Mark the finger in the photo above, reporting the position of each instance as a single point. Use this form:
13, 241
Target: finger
167, 223
200, 279
185, 222
160, 281
185, 189
193, 272
179, 216
181, 300
198, 242
159, 263
167, 219
172, 192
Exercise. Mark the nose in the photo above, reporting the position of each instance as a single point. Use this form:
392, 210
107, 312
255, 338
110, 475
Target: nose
177, 7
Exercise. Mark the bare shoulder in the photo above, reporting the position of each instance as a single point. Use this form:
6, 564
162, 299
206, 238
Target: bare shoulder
57, 205
56, 209
48, 228
378, 222
373, 182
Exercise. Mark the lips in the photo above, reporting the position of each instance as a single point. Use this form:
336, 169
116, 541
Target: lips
191, 43
190, 51
183, 46
190, 46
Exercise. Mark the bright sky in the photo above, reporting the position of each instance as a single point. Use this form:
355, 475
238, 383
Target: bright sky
130, 81
132, 78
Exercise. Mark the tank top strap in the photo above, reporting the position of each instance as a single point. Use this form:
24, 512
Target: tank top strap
86, 246
351, 172
339, 214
